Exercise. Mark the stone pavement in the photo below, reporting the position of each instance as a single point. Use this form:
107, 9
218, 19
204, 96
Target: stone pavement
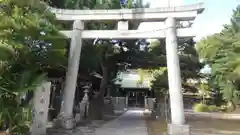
130, 123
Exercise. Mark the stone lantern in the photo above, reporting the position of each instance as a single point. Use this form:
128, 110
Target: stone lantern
84, 104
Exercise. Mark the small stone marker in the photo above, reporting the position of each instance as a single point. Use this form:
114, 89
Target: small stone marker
40, 109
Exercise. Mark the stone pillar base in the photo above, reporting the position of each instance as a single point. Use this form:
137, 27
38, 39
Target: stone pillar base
64, 122
178, 129
78, 117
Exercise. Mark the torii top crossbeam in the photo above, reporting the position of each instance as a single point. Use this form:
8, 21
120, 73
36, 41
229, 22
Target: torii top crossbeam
182, 13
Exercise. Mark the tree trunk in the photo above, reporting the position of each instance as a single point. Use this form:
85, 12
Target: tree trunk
96, 106
108, 105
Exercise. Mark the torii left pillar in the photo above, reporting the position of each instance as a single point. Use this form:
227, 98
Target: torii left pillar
66, 117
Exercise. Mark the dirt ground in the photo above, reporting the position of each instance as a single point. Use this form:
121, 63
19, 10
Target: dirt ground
155, 127
207, 126
199, 126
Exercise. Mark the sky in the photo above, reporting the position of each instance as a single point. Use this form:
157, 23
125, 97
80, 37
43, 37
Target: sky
216, 14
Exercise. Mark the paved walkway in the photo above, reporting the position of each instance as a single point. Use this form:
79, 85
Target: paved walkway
130, 123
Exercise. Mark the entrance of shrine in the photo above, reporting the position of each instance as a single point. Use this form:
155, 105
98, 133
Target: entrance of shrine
169, 15
136, 99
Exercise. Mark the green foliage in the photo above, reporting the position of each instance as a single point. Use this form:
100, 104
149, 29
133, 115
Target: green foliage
187, 55
222, 52
30, 43
30, 32
12, 90
204, 91
201, 108
159, 81
145, 75
214, 108
103, 52
6, 52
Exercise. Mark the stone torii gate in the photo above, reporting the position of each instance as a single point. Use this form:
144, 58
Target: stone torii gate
169, 15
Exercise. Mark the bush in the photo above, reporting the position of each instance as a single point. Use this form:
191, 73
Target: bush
213, 108
200, 108
205, 108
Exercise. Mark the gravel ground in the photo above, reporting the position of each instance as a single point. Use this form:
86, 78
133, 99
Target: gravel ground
85, 128
201, 124
208, 126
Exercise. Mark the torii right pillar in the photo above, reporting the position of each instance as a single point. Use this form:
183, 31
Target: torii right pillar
177, 126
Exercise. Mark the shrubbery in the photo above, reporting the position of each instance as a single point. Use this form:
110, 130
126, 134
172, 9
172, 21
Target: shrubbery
200, 108
205, 108
213, 108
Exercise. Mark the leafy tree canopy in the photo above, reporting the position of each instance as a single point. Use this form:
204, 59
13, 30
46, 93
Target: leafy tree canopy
30, 43
222, 52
